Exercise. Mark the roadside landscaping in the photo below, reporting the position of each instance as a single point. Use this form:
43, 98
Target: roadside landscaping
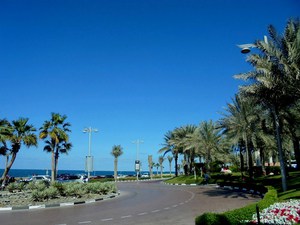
35, 193
272, 207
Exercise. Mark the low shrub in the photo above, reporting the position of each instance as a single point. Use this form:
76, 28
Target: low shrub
51, 193
11, 187
107, 188
237, 216
40, 185
37, 195
209, 219
94, 188
75, 189
21, 186
60, 187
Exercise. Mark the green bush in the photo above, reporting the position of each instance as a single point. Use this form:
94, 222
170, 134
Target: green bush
37, 195
40, 185
209, 219
60, 187
106, 188
273, 169
237, 216
11, 187
93, 188
51, 193
75, 189
21, 186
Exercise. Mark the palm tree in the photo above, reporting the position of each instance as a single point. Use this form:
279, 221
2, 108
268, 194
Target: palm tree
181, 142
292, 120
160, 161
275, 78
157, 166
56, 130
239, 124
116, 151
5, 133
169, 147
21, 133
170, 159
205, 140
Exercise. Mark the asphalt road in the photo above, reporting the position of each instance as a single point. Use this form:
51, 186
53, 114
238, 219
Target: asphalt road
141, 203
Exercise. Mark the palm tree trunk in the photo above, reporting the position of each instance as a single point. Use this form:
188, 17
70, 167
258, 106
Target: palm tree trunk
241, 159
279, 147
8, 167
53, 174
262, 161
176, 164
249, 154
297, 151
115, 169
251, 175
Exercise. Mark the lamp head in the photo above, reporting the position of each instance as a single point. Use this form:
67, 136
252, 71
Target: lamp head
245, 50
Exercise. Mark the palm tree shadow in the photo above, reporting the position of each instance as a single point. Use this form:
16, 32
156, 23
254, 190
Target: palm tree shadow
228, 194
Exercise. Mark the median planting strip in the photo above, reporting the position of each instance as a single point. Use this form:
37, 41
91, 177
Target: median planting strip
57, 204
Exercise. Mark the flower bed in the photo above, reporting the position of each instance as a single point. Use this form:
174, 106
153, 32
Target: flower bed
280, 213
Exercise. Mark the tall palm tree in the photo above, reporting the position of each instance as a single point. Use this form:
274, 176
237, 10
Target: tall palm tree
239, 124
169, 147
55, 133
5, 130
5, 133
116, 151
21, 133
170, 159
160, 161
292, 124
157, 166
275, 78
206, 141
181, 142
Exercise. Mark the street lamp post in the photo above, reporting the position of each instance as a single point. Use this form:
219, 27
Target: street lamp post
246, 48
89, 158
137, 161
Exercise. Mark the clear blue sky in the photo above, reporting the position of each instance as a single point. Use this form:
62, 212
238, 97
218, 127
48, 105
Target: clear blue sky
133, 69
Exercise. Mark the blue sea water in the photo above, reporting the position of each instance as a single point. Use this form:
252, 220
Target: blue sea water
30, 172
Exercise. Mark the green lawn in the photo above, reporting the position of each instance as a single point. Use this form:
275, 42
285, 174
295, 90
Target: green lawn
293, 182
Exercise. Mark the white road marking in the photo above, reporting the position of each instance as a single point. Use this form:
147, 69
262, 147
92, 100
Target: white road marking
123, 217
108, 219
141, 214
84, 222
181, 203
174, 206
155, 211
167, 208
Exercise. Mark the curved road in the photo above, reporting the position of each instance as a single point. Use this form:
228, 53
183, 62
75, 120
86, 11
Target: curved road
142, 203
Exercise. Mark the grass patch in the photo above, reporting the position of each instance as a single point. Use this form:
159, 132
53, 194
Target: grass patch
185, 180
293, 182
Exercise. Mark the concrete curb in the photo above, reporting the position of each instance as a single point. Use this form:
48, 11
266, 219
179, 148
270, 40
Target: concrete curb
202, 185
52, 205
232, 188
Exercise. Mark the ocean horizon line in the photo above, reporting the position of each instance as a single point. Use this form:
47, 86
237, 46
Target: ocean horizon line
30, 172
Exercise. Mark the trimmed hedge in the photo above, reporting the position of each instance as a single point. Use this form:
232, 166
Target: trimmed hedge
237, 216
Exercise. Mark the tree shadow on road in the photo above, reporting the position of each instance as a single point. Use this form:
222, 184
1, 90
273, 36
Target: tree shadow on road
228, 194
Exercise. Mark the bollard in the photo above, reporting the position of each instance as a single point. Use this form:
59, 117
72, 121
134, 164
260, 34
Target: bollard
257, 213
